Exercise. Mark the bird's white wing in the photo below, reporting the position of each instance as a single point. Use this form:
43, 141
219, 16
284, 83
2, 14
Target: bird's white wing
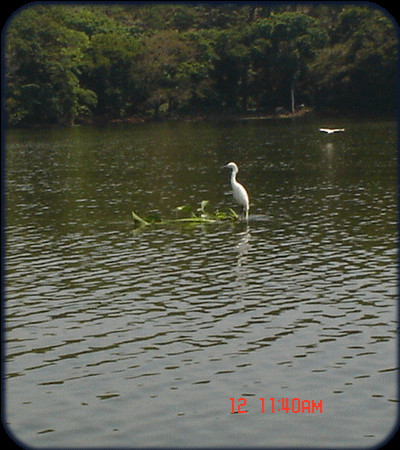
240, 195
331, 130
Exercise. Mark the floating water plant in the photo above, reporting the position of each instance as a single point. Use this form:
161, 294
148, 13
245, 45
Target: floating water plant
192, 217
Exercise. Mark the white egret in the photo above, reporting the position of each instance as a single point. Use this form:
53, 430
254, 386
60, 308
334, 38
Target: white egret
239, 192
331, 130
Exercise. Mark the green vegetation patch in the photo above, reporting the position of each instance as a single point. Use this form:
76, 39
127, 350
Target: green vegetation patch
200, 216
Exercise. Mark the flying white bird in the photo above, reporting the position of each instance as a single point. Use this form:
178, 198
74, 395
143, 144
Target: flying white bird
331, 130
239, 192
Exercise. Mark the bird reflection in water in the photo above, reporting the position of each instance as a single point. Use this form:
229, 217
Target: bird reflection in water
243, 246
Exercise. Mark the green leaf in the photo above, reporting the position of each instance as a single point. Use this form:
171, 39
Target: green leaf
203, 204
138, 219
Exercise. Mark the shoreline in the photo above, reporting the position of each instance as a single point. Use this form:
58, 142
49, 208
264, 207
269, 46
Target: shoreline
201, 117
215, 117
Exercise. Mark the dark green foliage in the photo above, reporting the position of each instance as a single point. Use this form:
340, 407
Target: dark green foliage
75, 63
360, 69
43, 62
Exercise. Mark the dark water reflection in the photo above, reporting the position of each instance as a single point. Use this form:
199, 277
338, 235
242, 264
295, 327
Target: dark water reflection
121, 337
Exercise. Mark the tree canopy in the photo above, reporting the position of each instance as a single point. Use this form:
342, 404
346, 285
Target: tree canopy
78, 62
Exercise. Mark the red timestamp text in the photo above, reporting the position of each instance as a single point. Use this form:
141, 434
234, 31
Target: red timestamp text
274, 405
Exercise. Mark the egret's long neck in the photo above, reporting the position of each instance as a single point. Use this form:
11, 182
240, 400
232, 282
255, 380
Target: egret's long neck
233, 176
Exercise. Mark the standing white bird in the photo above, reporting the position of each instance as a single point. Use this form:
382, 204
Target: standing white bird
239, 192
331, 130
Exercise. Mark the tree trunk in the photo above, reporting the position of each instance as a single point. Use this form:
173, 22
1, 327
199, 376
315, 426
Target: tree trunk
292, 97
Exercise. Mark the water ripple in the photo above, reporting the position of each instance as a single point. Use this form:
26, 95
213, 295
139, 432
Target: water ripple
117, 329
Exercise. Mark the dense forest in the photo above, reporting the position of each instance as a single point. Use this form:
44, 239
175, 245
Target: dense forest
82, 63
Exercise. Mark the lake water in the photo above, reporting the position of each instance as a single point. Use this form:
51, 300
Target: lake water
126, 337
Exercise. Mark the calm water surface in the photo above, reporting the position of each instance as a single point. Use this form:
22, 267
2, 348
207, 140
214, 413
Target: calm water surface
124, 337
